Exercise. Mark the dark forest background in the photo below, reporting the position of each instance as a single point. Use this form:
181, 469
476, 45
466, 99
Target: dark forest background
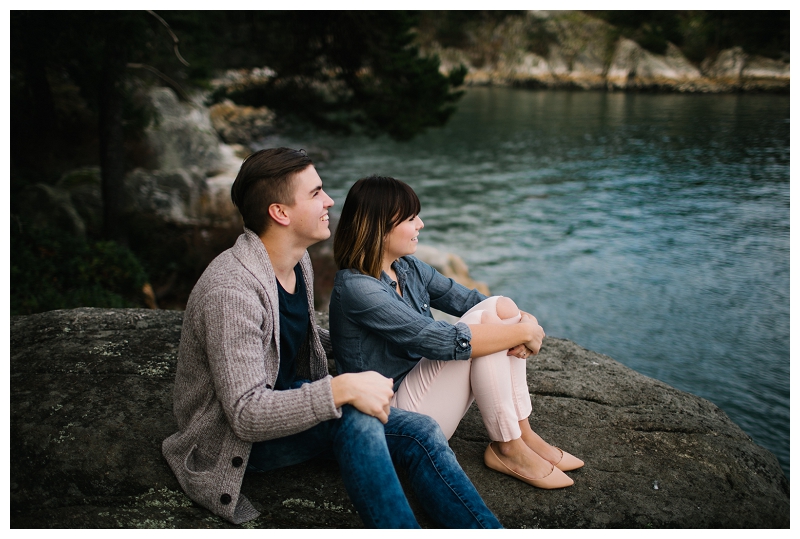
75, 77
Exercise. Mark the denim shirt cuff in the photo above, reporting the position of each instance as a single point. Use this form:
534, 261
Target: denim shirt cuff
463, 346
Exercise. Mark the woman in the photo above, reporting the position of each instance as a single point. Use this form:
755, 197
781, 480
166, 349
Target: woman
380, 320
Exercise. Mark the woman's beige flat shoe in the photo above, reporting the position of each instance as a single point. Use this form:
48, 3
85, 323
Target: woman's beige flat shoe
555, 479
568, 462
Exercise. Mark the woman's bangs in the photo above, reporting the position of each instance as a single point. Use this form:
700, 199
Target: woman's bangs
406, 204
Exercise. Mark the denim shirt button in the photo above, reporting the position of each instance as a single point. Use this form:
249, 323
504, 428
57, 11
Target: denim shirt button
424, 306
463, 345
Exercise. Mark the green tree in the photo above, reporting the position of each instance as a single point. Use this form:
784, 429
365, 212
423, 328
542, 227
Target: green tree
336, 70
94, 51
701, 34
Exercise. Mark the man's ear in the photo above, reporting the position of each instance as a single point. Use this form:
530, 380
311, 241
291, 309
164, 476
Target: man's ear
278, 214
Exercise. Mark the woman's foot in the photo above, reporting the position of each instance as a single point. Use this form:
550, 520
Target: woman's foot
563, 460
554, 478
568, 462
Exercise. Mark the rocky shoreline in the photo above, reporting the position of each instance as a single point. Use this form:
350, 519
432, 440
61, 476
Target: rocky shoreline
587, 55
91, 402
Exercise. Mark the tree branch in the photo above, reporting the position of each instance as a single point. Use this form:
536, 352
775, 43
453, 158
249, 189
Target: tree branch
174, 37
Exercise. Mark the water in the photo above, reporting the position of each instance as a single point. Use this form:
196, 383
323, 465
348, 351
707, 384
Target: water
651, 228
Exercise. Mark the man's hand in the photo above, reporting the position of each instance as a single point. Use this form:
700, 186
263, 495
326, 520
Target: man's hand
535, 344
369, 392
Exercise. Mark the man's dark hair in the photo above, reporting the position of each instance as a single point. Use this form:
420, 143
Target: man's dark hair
264, 179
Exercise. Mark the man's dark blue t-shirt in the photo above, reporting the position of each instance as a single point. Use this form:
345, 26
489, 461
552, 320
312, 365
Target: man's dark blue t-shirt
294, 322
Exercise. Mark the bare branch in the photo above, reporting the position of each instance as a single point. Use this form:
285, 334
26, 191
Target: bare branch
158, 73
174, 37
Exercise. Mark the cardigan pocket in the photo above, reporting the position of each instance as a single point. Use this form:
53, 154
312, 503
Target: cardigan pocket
195, 464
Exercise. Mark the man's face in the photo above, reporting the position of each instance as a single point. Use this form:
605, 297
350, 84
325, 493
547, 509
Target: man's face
309, 214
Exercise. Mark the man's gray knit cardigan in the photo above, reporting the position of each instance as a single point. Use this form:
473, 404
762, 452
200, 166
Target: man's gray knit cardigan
228, 361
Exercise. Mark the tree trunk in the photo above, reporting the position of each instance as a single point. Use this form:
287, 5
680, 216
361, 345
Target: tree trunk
44, 108
112, 144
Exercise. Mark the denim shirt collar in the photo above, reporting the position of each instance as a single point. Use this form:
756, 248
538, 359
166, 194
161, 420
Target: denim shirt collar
400, 267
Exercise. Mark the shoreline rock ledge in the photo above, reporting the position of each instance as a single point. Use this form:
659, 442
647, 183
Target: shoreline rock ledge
91, 402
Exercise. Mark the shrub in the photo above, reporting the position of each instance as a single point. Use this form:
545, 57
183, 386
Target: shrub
51, 269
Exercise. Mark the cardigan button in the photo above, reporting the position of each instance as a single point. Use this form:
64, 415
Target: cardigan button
225, 499
237, 461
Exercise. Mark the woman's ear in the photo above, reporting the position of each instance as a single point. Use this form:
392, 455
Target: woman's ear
278, 214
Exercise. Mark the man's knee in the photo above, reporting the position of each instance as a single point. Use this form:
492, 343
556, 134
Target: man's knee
421, 427
357, 422
432, 432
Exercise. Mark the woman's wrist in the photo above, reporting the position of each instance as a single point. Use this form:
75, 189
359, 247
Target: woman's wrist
528, 332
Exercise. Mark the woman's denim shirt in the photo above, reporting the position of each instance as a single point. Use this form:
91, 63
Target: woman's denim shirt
375, 329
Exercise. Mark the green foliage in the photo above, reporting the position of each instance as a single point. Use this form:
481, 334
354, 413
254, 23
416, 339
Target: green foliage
82, 48
337, 70
61, 62
758, 32
479, 33
342, 71
651, 29
700, 34
455, 28
51, 269
539, 37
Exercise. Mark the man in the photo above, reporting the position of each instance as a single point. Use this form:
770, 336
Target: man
252, 391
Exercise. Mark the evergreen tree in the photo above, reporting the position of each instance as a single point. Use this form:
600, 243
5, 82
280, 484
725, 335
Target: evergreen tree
336, 70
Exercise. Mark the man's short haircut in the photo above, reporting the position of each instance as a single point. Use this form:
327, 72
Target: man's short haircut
373, 207
264, 179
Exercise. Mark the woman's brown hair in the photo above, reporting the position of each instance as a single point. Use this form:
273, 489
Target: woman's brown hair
373, 207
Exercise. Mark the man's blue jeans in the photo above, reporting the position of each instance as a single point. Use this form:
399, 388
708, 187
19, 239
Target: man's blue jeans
366, 450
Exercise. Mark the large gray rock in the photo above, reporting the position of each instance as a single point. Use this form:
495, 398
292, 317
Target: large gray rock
91, 393
194, 169
183, 137
237, 124
174, 196
632, 67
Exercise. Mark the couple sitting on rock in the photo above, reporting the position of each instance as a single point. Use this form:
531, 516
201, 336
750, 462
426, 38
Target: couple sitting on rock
252, 389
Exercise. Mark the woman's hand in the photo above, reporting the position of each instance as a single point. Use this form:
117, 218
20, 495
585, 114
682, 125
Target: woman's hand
521, 351
491, 338
535, 344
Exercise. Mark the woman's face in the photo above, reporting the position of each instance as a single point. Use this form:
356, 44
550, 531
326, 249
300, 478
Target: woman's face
402, 240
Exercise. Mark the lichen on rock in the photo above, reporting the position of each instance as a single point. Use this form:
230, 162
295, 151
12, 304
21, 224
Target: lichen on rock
86, 433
